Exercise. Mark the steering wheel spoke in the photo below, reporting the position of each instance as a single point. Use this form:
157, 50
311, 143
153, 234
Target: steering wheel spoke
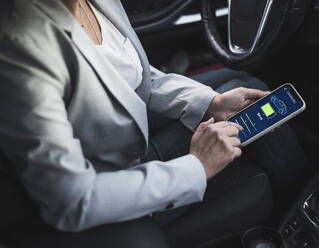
246, 24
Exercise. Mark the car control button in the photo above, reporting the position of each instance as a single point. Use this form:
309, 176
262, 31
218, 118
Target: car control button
294, 222
287, 231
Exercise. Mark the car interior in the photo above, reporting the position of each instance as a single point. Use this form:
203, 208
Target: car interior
275, 41
278, 42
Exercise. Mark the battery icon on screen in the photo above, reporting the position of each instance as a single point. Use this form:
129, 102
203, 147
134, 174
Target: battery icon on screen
267, 109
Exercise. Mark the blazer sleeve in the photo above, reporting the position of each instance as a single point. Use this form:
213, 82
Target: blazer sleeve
37, 138
178, 97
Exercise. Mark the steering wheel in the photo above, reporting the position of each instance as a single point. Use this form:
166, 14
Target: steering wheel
254, 27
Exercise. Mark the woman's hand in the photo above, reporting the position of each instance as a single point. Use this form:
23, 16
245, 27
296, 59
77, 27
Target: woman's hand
229, 103
216, 145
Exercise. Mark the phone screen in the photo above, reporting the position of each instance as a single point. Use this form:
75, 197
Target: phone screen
267, 111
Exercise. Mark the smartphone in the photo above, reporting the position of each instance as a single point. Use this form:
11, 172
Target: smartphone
267, 113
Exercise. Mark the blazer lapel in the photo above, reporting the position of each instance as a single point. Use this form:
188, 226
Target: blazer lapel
112, 80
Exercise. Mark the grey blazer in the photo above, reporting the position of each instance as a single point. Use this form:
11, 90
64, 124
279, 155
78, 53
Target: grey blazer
75, 131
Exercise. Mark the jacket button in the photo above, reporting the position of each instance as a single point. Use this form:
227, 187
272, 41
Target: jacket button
170, 206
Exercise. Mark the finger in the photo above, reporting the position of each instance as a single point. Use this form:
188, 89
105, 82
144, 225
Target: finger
239, 127
211, 120
253, 94
237, 152
223, 124
230, 131
205, 124
234, 124
201, 127
235, 142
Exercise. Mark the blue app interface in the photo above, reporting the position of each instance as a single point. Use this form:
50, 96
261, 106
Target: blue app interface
267, 112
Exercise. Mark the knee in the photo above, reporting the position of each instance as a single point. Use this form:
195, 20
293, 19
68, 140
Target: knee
255, 83
247, 82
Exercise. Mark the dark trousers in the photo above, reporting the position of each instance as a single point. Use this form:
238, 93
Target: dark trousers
237, 198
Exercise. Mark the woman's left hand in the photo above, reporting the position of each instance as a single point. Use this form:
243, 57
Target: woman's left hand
229, 103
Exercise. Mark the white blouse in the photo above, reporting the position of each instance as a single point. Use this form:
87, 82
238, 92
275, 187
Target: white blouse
119, 51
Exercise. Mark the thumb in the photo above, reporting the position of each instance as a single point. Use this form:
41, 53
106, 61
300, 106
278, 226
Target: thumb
203, 125
253, 94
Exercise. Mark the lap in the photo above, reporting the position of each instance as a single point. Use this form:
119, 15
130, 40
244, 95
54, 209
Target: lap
225, 79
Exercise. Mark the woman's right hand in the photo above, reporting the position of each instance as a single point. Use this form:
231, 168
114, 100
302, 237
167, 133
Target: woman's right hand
216, 145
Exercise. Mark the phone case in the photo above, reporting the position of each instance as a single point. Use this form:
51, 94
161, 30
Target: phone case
277, 124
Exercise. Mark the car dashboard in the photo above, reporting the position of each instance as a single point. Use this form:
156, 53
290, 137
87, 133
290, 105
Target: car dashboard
151, 16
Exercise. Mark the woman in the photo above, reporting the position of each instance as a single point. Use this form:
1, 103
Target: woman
75, 90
